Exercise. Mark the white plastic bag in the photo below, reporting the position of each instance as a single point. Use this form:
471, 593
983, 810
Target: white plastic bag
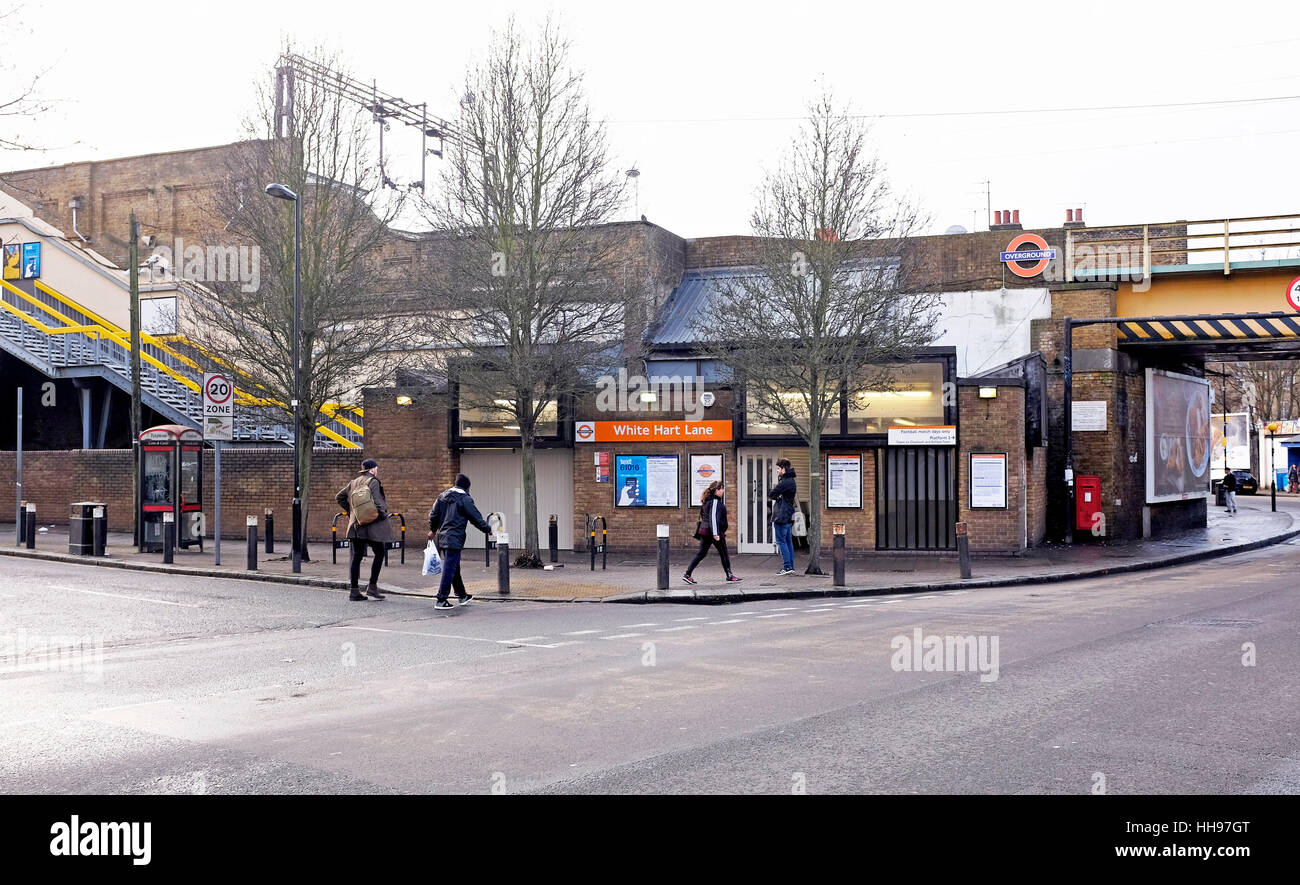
432, 562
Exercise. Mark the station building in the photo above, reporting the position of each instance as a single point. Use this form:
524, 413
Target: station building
1108, 338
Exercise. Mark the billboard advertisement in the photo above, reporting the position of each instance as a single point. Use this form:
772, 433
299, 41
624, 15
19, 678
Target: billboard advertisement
646, 481
1178, 436
1237, 451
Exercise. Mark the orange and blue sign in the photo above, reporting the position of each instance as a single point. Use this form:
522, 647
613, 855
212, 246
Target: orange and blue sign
1027, 247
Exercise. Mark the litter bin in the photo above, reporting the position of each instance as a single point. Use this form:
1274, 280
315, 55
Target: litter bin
81, 528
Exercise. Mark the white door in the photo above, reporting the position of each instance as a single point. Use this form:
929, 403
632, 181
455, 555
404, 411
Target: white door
496, 484
754, 532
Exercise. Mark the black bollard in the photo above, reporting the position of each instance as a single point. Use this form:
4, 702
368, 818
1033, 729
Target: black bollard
22, 524
270, 530
963, 550
554, 539
661, 532
100, 531
30, 526
169, 536
503, 564
252, 543
837, 554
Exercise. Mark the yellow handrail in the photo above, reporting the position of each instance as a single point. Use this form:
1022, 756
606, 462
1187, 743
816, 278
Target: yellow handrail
113, 332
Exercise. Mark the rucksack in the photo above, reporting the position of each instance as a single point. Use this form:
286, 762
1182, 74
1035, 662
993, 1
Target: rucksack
362, 501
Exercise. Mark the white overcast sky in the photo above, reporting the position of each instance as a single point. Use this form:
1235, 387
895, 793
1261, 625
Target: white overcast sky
701, 96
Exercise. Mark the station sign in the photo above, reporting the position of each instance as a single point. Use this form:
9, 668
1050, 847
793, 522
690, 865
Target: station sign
1027, 247
939, 435
652, 431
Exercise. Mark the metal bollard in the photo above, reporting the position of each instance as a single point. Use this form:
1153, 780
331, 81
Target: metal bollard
270, 530
837, 554
30, 526
100, 531
554, 539
252, 543
22, 524
963, 550
169, 535
661, 532
503, 564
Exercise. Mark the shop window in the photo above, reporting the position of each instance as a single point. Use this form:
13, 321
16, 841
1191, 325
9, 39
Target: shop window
914, 397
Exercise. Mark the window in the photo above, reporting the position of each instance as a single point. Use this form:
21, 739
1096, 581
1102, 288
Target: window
759, 424
481, 419
913, 398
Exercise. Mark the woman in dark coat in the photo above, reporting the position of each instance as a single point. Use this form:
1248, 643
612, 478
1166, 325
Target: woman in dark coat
373, 535
712, 531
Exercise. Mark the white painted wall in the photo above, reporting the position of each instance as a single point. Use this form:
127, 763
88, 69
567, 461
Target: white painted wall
989, 327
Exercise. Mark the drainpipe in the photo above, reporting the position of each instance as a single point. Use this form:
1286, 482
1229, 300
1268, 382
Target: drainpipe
74, 204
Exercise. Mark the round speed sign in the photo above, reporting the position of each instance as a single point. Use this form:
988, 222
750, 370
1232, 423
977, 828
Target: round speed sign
1293, 294
219, 389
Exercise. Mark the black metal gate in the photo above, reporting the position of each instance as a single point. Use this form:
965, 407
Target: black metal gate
916, 498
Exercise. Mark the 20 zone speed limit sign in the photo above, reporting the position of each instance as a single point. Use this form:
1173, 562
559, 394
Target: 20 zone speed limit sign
218, 407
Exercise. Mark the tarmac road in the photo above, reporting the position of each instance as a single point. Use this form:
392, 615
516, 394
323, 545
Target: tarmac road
217, 686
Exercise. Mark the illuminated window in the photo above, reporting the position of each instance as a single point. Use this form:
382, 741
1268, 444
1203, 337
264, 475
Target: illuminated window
496, 418
913, 398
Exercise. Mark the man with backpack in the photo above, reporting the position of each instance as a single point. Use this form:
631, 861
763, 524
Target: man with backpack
451, 513
362, 500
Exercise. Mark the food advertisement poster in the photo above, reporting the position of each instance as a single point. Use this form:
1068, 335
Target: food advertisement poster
1178, 436
1237, 450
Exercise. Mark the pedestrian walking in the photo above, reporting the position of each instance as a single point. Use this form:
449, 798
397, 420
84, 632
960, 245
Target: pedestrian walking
1293, 478
783, 494
451, 513
362, 499
712, 531
1230, 491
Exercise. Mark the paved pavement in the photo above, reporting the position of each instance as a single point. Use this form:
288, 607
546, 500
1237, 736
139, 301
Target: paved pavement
632, 577
121, 681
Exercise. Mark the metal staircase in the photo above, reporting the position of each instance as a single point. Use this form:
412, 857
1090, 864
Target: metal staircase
61, 339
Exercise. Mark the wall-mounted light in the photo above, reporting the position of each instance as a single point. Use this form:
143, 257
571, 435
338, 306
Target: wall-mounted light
403, 400
988, 393
649, 397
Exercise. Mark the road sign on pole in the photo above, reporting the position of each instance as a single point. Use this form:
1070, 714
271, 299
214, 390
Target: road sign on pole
218, 407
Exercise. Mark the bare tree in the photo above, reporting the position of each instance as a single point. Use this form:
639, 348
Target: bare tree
20, 99
527, 293
349, 333
824, 314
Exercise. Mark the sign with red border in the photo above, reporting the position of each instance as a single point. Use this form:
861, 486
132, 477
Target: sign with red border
1293, 294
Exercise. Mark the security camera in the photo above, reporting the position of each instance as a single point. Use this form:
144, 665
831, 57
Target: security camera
148, 241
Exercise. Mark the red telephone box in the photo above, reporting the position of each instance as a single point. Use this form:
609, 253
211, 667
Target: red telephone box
1087, 501
171, 481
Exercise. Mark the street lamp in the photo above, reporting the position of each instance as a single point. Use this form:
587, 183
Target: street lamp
1272, 477
281, 192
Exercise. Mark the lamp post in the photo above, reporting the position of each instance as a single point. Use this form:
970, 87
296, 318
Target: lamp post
281, 192
1272, 477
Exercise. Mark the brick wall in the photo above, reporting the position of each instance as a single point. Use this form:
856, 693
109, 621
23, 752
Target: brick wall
997, 426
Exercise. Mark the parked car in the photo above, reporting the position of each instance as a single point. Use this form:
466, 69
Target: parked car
1246, 483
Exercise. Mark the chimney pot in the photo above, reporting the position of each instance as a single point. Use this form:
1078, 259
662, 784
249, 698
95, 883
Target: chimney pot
1078, 215
1069, 215
1015, 216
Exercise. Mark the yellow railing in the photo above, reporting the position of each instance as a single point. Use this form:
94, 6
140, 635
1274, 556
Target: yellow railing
112, 332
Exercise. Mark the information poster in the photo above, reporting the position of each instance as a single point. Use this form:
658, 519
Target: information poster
844, 481
988, 481
705, 469
13, 261
646, 481
31, 261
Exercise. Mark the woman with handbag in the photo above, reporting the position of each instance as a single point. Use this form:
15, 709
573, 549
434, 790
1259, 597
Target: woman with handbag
712, 530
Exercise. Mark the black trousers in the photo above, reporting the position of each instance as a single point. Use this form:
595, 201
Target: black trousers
359, 553
705, 543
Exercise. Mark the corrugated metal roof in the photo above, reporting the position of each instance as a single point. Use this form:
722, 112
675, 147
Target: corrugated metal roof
691, 303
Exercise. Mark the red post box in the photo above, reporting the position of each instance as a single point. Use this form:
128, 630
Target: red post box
1087, 501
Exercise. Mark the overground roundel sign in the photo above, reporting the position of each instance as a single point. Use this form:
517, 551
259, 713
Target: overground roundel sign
219, 389
1028, 247
1293, 294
